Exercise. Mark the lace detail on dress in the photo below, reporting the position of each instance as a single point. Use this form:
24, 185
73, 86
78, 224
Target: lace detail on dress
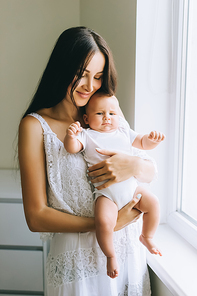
78, 265
69, 266
68, 189
83, 263
58, 271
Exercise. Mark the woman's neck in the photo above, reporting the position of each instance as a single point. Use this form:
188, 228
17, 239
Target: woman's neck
65, 111
60, 117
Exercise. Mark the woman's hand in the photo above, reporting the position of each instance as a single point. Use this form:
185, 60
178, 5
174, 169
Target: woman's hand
120, 167
128, 215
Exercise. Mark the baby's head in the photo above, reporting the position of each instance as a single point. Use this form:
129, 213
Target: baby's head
102, 113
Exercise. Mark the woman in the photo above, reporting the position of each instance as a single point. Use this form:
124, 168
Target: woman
57, 196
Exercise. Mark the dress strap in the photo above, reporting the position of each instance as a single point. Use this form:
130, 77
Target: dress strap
46, 128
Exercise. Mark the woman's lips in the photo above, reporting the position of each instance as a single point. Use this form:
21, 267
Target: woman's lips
83, 95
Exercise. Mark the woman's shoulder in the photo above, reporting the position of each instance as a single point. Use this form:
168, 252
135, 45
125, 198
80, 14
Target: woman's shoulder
37, 120
30, 127
30, 140
29, 122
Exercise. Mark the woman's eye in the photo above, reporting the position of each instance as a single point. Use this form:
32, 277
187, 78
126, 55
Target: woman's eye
98, 78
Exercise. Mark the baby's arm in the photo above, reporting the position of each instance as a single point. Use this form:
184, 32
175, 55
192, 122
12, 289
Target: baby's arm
71, 143
148, 141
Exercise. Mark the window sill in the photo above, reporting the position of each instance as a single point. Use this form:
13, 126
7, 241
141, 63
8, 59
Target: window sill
177, 268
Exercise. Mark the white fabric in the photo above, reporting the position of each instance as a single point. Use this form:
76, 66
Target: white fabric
75, 265
120, 140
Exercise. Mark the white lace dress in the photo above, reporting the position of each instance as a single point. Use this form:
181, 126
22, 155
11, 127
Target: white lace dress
75, 265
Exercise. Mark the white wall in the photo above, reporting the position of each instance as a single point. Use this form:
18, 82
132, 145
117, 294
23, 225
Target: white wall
116, 22
29, 30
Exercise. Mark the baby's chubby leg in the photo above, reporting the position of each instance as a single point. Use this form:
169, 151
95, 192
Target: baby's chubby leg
149, 205
106, 212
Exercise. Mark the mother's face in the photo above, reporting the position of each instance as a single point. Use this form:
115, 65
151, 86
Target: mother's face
91, 80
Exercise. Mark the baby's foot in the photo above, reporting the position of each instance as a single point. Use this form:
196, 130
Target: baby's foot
149, 244
112, 267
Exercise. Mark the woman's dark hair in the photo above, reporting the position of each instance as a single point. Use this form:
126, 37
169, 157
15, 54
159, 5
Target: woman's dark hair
73, 51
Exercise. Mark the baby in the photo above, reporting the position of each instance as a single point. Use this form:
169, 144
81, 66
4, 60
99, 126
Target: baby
110, 131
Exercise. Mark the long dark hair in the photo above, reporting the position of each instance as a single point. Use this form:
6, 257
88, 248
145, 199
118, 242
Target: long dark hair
72, 52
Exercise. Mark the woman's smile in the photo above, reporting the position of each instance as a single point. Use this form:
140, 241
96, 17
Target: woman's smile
84, 95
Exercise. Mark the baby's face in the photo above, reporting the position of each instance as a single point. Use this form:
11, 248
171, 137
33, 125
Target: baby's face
103, 114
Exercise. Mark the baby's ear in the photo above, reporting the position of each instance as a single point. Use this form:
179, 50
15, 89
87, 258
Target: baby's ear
85, 118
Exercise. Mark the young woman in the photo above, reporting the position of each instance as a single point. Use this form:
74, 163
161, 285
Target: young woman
57, 195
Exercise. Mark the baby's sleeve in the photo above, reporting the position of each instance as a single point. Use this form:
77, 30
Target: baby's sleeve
82, 138
124, 126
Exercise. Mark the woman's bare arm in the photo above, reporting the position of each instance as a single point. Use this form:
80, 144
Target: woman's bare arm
119, 167
39, 216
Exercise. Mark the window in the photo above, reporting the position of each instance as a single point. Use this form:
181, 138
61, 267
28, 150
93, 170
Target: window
188, 124
184, 215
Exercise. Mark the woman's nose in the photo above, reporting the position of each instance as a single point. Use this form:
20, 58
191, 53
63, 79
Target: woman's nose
89, 85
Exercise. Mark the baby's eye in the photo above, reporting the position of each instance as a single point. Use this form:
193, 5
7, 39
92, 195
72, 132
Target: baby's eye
99, 113
111, 113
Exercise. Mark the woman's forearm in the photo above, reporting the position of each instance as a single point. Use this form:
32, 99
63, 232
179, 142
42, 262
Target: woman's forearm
120, 167
51, 220
144, 170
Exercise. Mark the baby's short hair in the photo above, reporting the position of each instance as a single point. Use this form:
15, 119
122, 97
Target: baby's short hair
100, 94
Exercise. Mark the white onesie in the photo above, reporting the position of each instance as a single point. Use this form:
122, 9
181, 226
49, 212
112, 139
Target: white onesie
120, 140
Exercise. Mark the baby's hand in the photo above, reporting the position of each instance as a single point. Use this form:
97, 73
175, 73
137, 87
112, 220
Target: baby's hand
74, 129
156, 136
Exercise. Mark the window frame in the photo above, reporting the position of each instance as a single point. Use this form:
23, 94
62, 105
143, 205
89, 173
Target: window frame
177, 220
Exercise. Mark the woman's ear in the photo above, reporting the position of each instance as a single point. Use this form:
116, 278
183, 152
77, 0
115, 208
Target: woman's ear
85, 118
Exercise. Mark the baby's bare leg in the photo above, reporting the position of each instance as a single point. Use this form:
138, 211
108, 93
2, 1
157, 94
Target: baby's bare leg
149, 205
106, 213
